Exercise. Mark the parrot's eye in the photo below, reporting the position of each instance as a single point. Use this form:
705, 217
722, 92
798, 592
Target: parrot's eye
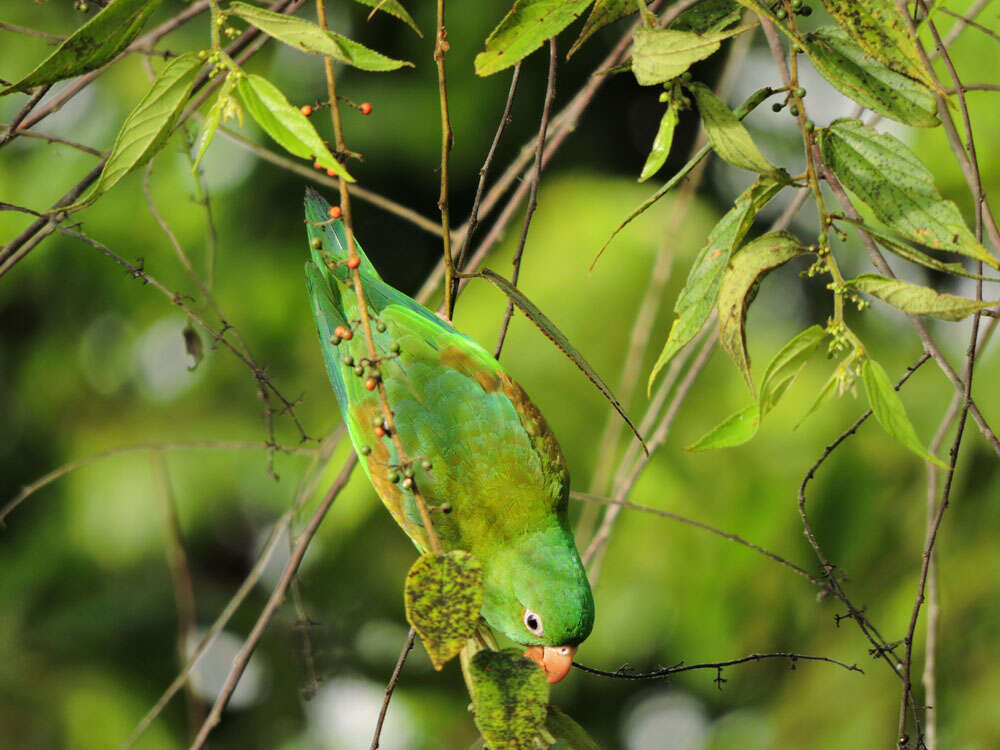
533, 623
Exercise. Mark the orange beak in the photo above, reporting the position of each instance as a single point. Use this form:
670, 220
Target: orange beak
555, 661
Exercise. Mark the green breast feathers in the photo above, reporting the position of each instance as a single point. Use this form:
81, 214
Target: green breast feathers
479, 450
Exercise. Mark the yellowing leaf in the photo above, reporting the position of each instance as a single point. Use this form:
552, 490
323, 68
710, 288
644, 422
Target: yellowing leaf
916, 299
524, 29
443, 596
308, 37
284, 123
509, 696
660, 55
663, 140
739, 286
867, 81
92, 45
726, 133
889, 411
883, 172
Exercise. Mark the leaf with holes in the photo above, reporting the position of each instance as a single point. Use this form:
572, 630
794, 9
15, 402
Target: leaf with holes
393, 8
889, 410
660, 55
880, 30
888, 177
726, 133
664, 136
443, 596
558, 338
509, 698
916, 299
867, 81
265, 103
603, 13
740, 281
701, 290
94, 44
308, 37
524, 29
149, 125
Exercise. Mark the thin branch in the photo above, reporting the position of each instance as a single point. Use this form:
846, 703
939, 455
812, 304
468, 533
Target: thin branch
967, 20
25, 111
392, 686
623, 673
550, 94
273, 603
56, 139
441, 46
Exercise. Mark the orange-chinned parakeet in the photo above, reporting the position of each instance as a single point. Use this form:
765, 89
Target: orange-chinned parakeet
476, 442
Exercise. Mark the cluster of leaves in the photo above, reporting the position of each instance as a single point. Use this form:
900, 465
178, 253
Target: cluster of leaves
870, 56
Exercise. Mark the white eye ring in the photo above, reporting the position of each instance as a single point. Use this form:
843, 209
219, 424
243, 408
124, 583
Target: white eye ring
533, 623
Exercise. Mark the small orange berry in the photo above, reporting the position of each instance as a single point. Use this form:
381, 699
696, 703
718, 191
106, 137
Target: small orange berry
335, 212
331, 172
379, 432
366, 108
317, 166
353, 262
340, 331
306, 110
348, 335
370, 384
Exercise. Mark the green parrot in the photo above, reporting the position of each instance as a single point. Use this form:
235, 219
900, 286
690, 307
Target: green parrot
480, 450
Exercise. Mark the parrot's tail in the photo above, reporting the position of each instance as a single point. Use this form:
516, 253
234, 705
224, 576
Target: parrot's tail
332, 238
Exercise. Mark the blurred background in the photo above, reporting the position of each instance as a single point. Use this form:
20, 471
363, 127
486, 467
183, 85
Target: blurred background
91, 360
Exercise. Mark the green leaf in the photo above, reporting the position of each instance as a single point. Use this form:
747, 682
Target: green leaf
92, 45
701, 290
510, 696
880, 30
727, 135
660, 55
149, 125
859, 76
915, 299
308, 37
786, 365
393, 8
557, 337
825, 393
735, 430
889, 410
222, 105
443, 596
740, 280
899, 189
896, 243
285, 123
524, 29
564, 729
708, 15
664, 139
603, 13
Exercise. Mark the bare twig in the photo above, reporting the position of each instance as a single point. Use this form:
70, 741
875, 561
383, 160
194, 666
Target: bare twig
56, 139
624, 674
550, 93
441, 46
392, 686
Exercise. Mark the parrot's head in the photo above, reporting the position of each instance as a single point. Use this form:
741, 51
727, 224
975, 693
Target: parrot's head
537, 594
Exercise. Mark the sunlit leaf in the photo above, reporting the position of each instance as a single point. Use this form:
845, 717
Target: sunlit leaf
708, 15
509, 696
557, 337
308, 37
92, 45
867, 81
603, 13
664, 138
284, 123
726, 133
393, 8
740, 280
443, 596
524, 29
880, 30
735, 430
883, 172
916, 299
660, 55
150, 124
701, 290
889, 411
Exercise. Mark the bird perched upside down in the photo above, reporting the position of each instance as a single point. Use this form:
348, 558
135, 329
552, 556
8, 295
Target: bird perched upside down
478, 448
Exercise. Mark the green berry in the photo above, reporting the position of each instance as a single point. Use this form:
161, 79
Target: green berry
315, 243
821, 239
793, 111
408, 471
395, 349
800, 93
348, 360
393, 476
809, 126
781, 14
426, 465
359, 370
408, 483
335, 340
806, 12
796, 4
777, 107
380, 327
376, 373
446, 508
378, 422
364, 450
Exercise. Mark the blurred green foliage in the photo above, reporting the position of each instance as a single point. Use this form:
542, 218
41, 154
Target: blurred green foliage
92, 360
